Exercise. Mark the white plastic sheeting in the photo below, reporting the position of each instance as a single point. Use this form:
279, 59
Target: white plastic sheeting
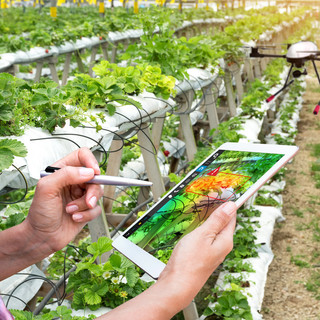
23, 286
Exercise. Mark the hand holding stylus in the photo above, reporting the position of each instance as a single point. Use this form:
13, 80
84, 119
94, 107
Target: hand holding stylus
63, 203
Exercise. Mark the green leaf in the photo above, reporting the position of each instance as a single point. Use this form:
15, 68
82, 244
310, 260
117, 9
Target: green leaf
92, 298
132, 276
207, 312
8, 149
6, 159
82, 266
16, 147
100, 289
74, 123
103, 245
13, 220
111, 109
115, 261
63, 312
78, 300
5, 112
130, 87
5, 78
92, 89
22, 315
39, 99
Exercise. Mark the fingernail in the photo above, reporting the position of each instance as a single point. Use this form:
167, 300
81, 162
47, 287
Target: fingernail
77, 217
97, 168
85, 172
93, 201
229, 208
72, 208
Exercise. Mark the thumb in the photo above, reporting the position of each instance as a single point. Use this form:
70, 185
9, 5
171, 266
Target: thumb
220, 218
68, 175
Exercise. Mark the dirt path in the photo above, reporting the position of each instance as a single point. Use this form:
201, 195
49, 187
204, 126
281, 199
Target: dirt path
294, 243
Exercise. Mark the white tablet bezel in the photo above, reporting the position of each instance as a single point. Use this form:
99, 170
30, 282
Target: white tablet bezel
152, 265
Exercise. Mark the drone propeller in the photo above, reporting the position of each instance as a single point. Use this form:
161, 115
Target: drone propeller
311, 52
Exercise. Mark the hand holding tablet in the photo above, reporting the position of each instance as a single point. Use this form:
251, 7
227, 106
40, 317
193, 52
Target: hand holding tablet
186, 272
234, 172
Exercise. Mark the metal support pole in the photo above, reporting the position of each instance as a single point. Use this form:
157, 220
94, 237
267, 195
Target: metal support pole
151, 162
66, 68
229, 90
191, 312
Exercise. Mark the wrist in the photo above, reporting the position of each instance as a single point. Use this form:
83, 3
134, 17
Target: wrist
176, 295
20, 248
35, 244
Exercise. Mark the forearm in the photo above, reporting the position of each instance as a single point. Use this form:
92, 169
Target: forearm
19, 248
160, 302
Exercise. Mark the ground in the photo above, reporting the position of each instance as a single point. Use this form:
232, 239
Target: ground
296, 241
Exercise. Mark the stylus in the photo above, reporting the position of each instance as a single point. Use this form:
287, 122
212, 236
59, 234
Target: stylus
105, 180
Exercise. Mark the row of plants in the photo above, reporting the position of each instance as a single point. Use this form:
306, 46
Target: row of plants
24, 30
47, 32
43, 104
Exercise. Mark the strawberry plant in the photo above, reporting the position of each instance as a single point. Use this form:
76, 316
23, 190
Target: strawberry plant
163, 50
134, 80
253, 99
109, 284
227, 131
62, 312
230, 304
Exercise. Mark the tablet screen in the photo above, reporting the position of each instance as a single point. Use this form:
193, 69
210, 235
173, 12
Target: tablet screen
225, 176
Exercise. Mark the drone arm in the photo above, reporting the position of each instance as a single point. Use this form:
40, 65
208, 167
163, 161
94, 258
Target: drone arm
274, 55
274, 95
285, 84
316, 70
255, 54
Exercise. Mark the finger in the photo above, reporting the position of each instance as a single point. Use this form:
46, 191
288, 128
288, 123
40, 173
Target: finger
224, 240
81, 157
219, 218
66, 176
87, 215
87, 200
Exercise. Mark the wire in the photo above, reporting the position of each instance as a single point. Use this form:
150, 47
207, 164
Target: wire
32, 277
25, 193
15, 297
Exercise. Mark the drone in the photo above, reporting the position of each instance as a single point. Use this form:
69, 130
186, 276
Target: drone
298, 54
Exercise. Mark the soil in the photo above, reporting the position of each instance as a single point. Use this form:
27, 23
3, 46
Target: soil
286, 296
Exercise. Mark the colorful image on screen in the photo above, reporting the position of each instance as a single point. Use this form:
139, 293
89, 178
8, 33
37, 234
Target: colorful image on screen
225, 176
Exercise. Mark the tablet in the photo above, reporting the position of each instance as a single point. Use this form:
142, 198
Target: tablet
233, 172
